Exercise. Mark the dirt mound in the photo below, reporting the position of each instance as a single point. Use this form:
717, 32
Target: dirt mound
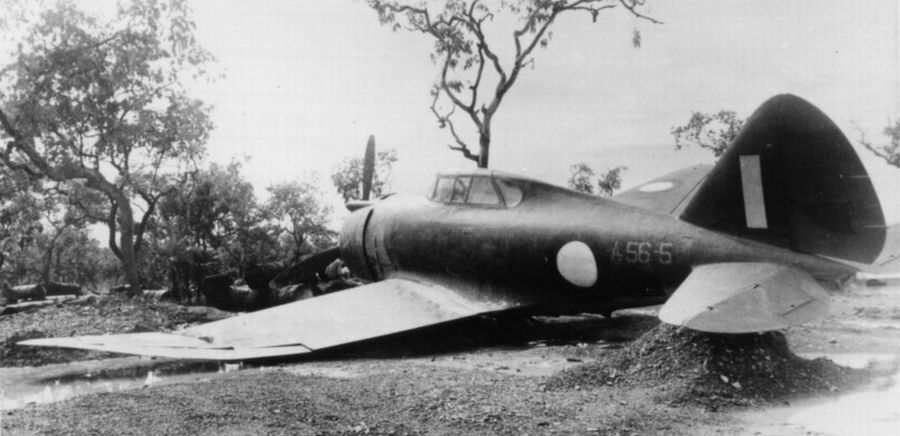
690, 367
109, 314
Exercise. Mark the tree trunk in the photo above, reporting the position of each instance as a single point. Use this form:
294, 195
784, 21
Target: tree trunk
126, 244
46, 272
48, 260
484, 145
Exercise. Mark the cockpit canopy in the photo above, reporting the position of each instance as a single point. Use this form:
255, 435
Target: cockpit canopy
483, 188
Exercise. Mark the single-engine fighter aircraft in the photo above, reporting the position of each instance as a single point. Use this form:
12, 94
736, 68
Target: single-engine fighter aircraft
744, 246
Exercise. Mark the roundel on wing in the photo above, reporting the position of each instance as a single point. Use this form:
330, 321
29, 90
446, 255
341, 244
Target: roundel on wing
656, 186
576, 263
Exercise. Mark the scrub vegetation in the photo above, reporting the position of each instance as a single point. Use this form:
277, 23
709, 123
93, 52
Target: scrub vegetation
99, 129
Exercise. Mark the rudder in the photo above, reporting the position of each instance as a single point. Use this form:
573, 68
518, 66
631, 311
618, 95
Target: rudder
792, 179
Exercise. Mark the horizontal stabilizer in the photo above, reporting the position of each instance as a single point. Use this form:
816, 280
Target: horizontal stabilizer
744, 298
668, 194
365, 312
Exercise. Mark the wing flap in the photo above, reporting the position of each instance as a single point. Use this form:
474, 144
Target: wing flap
744, 297
352, 315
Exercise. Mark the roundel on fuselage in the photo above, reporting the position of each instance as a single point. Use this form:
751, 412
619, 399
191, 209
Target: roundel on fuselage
576, 263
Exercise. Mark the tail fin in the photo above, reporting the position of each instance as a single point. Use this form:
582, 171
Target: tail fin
792, 179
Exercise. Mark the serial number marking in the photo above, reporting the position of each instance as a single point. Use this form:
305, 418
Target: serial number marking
642, 252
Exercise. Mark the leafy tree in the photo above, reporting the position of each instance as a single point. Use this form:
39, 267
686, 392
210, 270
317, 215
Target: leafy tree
473, 77
101, 106
20, 216
348, 175
582, 179
69, 254
297, 212
890, 152
713, 132
61, 219
611, 181
216, 210
42, 237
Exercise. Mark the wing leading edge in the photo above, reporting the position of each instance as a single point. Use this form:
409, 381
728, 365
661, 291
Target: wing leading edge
366, 312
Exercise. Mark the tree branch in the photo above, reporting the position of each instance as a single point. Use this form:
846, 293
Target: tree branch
632, 6
465, 152
111, 224
453, 98
445, 121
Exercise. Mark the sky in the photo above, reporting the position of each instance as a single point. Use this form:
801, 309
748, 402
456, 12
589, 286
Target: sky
304, 83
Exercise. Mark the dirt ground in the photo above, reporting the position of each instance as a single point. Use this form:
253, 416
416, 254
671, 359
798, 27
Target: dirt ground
512, 375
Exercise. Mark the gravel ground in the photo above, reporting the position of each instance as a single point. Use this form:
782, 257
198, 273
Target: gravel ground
581, 375
94, 316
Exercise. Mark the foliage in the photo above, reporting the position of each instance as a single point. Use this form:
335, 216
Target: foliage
298, 214
43, 237
347, 176
102, 107
712, 132
19, 218
215, 211
71, 254
611, 181
473, 77
582, 179
75, 257
890, 152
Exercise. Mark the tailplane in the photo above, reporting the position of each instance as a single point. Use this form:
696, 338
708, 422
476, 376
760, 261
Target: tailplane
792, 179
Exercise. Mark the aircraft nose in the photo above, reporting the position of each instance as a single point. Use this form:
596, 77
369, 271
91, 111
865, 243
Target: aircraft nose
352, 240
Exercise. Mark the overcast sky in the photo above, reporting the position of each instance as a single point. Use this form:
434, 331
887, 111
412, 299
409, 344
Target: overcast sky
305, 83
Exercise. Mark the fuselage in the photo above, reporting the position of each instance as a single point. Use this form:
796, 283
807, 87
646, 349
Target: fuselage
513, 238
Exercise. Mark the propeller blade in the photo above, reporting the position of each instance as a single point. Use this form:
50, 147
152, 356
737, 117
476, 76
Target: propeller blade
368, 168
306, 269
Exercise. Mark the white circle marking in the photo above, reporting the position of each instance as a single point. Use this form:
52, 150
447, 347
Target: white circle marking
656, 187
576, 264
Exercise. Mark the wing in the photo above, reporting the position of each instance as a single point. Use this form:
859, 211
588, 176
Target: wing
667, 194
352, 315
744, 298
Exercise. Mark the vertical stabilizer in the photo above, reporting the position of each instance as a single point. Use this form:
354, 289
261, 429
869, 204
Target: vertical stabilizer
792, 179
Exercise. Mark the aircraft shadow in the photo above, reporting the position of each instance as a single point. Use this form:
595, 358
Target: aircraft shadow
507, 330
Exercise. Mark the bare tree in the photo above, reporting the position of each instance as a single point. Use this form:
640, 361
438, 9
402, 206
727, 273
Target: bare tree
464, 54
890, 152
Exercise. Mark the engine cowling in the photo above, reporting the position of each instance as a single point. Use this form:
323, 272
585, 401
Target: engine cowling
352, 242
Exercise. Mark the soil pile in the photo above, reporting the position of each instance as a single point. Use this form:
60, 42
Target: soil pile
96, 316
711, 370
